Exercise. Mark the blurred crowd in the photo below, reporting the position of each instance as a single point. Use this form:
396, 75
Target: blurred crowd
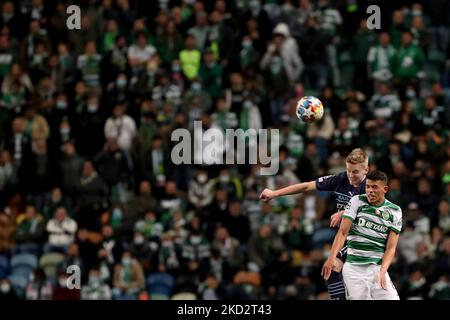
86, 117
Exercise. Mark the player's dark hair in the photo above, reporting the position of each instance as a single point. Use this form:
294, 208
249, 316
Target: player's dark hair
377, 175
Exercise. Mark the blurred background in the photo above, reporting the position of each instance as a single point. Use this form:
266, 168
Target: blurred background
85, 122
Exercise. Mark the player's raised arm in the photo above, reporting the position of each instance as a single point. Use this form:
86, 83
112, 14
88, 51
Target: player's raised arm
268, 194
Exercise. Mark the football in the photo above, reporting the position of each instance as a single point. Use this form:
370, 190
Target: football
309, 109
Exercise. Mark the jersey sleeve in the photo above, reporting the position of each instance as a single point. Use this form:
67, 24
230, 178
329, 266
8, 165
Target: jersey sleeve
327, 183
396, 224
351, 209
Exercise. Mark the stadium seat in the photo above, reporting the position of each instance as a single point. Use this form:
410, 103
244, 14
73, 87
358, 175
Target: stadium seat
49, 263
184, 296
160, 284
24, 259
3, 266
19, 284
23, 264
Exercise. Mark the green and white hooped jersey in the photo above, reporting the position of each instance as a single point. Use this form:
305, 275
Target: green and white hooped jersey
371, 226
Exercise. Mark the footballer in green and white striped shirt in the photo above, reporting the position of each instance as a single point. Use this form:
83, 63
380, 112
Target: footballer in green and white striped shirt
371, 224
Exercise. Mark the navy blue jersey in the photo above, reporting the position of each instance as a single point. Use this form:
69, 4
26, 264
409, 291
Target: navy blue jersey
342, 188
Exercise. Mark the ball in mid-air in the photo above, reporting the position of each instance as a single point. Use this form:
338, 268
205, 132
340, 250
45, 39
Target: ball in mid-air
309, 109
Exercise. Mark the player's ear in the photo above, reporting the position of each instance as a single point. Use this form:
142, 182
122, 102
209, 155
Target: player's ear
386, 188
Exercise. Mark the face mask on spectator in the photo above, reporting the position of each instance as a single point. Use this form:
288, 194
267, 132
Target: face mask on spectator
94, 281
410, 93
176, 68
61, 105
139, 239
255, 7
121, 83
247, 104
92, 108
5, 287
126, 261
64, 131
224, 178
246, 44
117, 212
195, 240
196, 87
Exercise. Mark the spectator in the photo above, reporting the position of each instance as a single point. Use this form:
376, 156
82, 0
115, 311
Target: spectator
121, 127
200, 30
313, 53
29, 231
140, 53
210, 74
384, 104
7, 230
6, 174
61, 230
39, 288
169, 43
444, 216
62, 291
95, 289
411, 238
381, 59
90, 194
190, 58
89, 66
6, 291
409, 61
237, 224
128, 278
71, 166
143, 202
37, 125
200, 192
157, 165
113, 167
149, 227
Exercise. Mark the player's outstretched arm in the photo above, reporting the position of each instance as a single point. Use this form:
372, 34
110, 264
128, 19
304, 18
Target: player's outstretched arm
338, 243
268, 194
388, 257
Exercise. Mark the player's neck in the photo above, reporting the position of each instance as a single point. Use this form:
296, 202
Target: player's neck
378, 202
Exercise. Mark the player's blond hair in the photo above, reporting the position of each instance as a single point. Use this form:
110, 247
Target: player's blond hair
357, 156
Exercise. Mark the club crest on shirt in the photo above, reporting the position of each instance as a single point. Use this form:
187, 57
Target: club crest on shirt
385, 215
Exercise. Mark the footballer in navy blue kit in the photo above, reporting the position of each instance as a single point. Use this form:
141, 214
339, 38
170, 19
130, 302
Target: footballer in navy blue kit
344, 185
340, 185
